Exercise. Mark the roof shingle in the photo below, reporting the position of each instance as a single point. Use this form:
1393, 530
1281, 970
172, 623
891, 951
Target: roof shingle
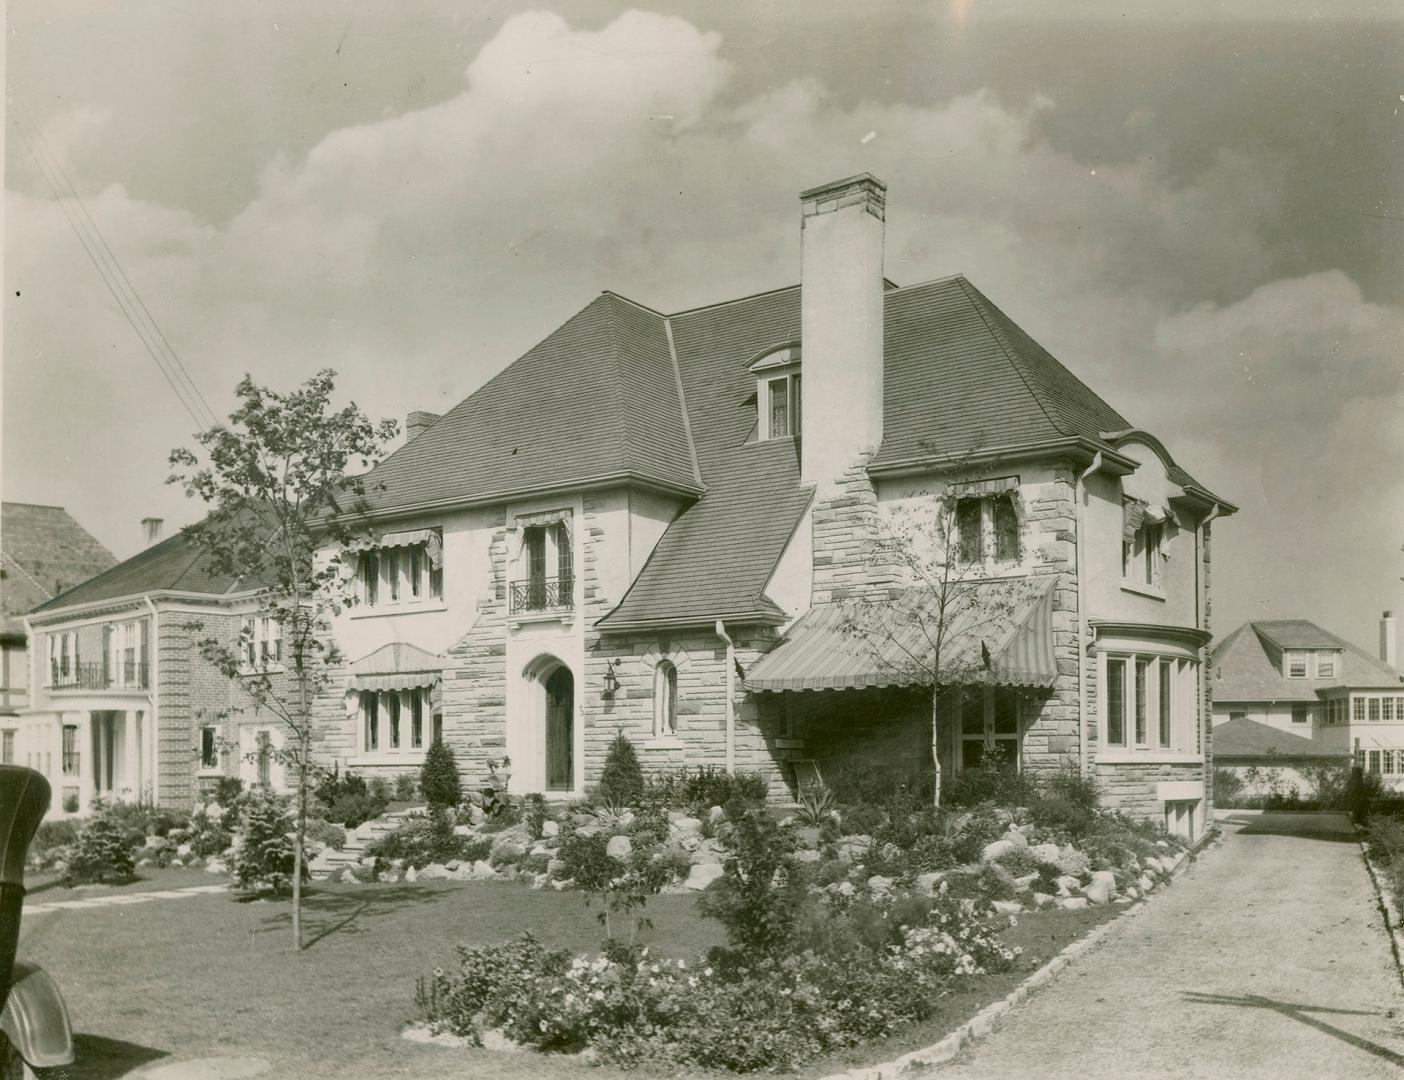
45, 551
1245, 667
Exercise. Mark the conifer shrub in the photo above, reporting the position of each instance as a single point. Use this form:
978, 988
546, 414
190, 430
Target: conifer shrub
103, 855
622, 782
438, 779
265, 859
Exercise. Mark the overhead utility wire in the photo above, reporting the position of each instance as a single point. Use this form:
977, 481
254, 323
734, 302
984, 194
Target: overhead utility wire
110, 270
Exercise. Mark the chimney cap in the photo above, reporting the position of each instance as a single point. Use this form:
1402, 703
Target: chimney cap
835, 187
1386, 615
152, 520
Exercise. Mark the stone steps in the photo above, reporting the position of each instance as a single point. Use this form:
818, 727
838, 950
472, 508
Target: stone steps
357, 840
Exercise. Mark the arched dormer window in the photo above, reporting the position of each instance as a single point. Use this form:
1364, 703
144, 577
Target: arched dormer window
777, 372
665, 700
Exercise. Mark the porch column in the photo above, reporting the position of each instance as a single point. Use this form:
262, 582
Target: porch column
131, 760
85, 743
100, 725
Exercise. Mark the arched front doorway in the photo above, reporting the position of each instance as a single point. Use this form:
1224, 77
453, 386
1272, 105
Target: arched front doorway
559, 689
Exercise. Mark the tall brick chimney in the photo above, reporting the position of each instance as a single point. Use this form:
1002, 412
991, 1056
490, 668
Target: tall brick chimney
151, 529
841, 237
417, 422
1389, 640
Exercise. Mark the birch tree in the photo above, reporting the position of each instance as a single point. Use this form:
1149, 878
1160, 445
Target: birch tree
278, 489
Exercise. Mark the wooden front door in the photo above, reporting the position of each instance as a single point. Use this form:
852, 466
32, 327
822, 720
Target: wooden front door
560, 730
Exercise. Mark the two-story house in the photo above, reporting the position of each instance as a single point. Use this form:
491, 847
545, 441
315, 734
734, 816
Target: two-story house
647, 522
123, 704
1292, 677
43, 551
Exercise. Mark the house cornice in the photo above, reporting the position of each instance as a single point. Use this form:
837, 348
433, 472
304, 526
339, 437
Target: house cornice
624, 478
1152, 631
116, 604
1077, 448
740, 618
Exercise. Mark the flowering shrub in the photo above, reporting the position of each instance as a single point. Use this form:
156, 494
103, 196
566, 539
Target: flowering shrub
773, 1013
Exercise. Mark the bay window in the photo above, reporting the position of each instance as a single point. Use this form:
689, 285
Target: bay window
1139, 686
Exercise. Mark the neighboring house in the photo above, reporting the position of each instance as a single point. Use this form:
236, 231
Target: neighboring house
645, 522
1294, 676
43, 551
124, 706
1268, 759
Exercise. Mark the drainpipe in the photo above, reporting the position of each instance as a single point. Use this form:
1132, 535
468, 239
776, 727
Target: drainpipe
154, 676
730, 697
1198, 620
1079, 492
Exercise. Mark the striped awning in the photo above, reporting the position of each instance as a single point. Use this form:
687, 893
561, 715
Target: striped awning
431, 539
397, 666
1002, 635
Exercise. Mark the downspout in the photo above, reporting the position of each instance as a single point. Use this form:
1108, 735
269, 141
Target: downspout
1198, 623
153, 756
730, 697
1079, 492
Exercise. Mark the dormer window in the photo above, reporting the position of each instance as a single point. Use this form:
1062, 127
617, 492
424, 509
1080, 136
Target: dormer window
777, 372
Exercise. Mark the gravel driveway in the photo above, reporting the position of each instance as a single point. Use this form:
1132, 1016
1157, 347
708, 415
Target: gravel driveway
1268, 958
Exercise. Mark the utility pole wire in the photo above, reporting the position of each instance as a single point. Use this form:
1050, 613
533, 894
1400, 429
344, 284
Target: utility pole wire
131, 306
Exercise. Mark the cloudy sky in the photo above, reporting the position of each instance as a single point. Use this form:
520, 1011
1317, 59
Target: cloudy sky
1203, 218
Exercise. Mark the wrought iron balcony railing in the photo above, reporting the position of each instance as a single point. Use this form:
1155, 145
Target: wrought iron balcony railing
543, 594
125, 674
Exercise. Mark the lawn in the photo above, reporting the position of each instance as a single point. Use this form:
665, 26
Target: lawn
214, 975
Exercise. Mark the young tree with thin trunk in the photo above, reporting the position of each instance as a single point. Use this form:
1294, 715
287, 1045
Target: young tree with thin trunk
950, 564
277, 487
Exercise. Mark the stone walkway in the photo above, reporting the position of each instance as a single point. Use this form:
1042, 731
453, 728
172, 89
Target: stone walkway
115, 899
1268, 959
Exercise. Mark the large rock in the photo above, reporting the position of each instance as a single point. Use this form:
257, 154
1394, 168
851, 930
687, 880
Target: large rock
854, 847
483, 869
1099, 892
1072, 861
1046, 854
1067, 883
464, 830
619, 847
684, 825
1016, 837
807, 836
411, 875
1146, 883
587, 831
702, 875
1042, 899
507, 850
185, 851
1007, 907
1105, 876
996, 850
433, 872
806, 855
556, 867
156, 843
550, 829
879, 885
1024, 882
930, 883
716, 815
1073, 903
217, 866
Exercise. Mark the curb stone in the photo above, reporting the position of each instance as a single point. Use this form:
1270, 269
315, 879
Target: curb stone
1388, 904
983, 1022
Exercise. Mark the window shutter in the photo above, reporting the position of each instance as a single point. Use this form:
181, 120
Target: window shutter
1133, 516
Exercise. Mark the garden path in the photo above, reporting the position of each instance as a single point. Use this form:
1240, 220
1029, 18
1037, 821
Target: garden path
114, 899
1268, 958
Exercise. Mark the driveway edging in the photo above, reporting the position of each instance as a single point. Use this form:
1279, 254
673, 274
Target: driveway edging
983, 1022
1389, 905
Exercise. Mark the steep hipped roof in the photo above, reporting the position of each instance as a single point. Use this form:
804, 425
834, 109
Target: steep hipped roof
596, 399
43, 551
1244, 738
1246, 665
176, 564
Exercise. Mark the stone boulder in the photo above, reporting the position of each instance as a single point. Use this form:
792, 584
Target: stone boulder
1067, 884
807, 836
216, 866
930, 883
1007, 907
853, 848
550, 829
1046, 854
1042, 899
184, 851
879, 885
411, 875
156, 843
1099, 892
556, 867
619, 847
996, 850
684, 825
434, 872
1146, 883
1016, 837
483, 869
716, 815
806, 855
702, 875
464, 830
1072, 861
506, 850
1073, 903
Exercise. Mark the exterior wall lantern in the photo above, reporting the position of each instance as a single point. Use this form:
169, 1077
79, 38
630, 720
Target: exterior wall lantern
611, 681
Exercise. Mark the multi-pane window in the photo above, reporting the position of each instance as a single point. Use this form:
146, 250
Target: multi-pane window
1374, 705
1374, 761
1301, 714
1325, 664
547, 575
1387, 708
665, 699
1139, 687
1296, 664
780, 406
393, 720
7, 748
987, 529
402, 573
209, 747
989, 728
1387, 761
1142, 540
70, 750
261, 642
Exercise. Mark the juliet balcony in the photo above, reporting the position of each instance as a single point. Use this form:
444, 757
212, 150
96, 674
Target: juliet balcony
122, 675
542, 594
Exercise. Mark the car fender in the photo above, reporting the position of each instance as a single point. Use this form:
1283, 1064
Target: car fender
35, 1019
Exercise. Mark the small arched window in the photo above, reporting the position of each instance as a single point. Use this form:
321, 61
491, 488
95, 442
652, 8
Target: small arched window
665, 700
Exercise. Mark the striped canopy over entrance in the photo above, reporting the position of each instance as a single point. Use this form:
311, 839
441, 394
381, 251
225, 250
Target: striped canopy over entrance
1003, 637
397, 666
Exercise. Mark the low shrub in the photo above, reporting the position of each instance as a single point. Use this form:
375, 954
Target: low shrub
1386, 839
51, 839
696, 791
326, 833
404, 788
1001, 786
103, 853
534, 814
862, 819
208, 832
347, 799
227, 791
761, 892
430, 839
265, 859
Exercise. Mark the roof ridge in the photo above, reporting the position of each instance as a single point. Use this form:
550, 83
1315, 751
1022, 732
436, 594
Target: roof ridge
1004, 347
621, 415
732, 300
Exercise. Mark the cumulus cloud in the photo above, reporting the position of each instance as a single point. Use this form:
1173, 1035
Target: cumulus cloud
421, 252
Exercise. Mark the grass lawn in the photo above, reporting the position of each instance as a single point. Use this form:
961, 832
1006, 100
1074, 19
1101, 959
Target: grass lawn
214, 975
47, 887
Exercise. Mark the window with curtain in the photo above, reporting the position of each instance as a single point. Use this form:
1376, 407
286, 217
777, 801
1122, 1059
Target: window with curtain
665, 699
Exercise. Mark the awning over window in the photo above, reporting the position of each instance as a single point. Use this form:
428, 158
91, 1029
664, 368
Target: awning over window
430, 538
397, 666
830, 649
